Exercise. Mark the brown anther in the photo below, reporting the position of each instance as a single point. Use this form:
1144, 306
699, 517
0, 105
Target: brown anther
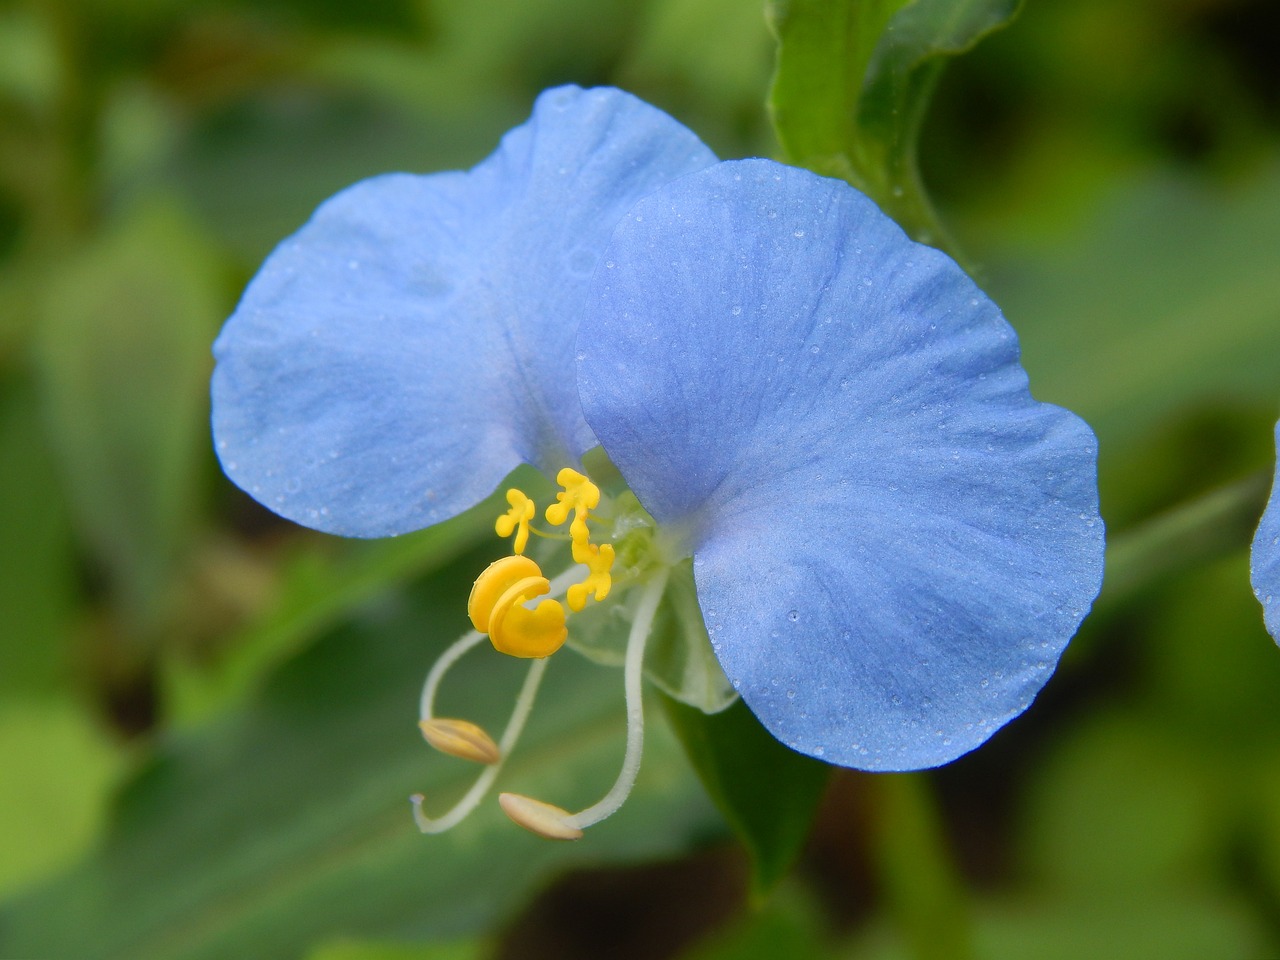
544, 819
460, 738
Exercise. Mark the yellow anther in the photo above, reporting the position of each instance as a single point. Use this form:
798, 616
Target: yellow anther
516, 519
519, 631
460, 738
496, 580
579, 495
599, 560
497, 607
544, 819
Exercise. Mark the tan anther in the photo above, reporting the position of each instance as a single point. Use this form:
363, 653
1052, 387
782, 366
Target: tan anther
544, 819
460, 738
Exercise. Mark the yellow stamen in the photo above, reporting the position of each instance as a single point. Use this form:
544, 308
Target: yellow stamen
579, 495
460, 738
599, 560
516, 519
519, 631
493, 583
544, 819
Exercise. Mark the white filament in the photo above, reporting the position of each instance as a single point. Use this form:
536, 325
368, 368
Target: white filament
632, 677
515, 725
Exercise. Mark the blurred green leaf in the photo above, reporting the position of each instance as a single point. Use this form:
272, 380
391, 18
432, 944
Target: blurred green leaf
360, 950
714, 88
768, 793
1214, 673
1167, 299
853, 81
922, 883
318, 592
124, 361
1137, 927
28, 60
787, 927
288, 824
37, 564
58, 769
1118, 807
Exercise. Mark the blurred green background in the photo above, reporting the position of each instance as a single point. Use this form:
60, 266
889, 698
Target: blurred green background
207, 715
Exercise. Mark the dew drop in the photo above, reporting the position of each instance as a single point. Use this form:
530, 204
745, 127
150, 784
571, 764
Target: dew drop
793, 615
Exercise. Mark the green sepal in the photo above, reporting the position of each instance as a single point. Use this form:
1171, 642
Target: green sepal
678, 658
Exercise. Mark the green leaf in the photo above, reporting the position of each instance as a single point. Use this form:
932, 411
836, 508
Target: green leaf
287, 824
37, 564
124, 361
58, 771
922, 884
318, 592
767, 792
1159, 825
368, 950
1179, 926
1166, 298
790, 925
852, 84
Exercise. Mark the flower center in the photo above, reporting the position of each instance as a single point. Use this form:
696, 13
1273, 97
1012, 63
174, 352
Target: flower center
505, 605
500, 600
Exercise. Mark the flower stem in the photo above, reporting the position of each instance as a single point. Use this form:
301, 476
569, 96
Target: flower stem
1209, 526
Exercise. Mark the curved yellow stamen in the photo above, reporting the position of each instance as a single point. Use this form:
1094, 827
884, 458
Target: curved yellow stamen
520, 631
493, 583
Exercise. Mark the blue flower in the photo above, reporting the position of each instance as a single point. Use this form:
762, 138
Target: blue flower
1265, 559
892, 541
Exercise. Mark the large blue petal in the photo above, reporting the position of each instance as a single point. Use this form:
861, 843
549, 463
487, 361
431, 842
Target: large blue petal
893, 542
1265, 559
413, 342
